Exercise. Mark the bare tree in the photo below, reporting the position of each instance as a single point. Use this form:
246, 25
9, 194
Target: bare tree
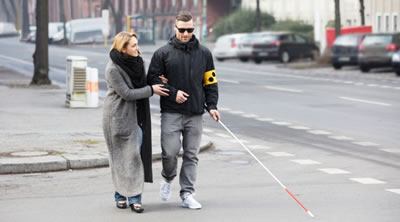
258, 17
362, 12
25, 19
116, 14
41, 54
337, 18
62, 19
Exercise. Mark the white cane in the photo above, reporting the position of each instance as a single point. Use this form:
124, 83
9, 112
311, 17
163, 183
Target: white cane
266, 169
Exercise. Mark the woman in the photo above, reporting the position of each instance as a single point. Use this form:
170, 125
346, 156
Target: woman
126, 121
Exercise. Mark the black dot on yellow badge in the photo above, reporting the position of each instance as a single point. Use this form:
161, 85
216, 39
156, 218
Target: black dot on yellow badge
211, 79
213, 74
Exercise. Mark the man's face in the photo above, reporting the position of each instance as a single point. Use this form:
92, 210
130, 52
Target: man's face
187, 28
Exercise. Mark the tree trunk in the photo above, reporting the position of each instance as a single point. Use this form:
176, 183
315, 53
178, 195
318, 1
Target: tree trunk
25, 19
41, 54
337, 18
62, 19
258, 17
117, 15
362, 12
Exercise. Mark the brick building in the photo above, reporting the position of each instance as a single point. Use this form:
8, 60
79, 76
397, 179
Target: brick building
163, 12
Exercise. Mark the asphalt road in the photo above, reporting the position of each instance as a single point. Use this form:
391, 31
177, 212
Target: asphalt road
330, 136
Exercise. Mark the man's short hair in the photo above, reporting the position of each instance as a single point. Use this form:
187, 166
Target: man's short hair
184, 16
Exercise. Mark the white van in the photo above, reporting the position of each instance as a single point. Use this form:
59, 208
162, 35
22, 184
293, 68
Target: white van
79, 31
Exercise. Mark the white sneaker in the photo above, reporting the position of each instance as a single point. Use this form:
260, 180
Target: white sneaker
165, 190
190, 202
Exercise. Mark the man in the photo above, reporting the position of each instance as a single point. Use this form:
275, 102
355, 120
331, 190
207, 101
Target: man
192, 85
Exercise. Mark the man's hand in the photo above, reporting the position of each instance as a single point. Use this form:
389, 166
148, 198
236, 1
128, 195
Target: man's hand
215, 114
181, 96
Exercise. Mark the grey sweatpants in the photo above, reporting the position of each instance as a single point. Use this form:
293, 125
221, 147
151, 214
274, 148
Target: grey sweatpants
173, 125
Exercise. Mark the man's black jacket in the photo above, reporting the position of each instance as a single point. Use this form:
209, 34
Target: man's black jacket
188, 67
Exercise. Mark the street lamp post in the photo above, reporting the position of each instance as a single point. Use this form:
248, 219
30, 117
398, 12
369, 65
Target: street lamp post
258, 19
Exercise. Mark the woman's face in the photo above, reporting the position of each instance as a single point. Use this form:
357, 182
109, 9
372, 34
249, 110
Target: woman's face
132, 49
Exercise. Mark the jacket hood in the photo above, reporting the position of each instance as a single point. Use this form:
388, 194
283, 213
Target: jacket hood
186, 46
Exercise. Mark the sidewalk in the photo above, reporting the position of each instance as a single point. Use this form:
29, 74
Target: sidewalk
39, 134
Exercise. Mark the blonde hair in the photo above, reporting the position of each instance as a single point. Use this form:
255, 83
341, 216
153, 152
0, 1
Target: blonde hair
121, 40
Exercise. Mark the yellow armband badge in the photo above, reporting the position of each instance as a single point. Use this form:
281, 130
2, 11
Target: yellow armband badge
209, 78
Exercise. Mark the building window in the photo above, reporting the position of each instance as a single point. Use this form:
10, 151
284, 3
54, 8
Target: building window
183, 3
386, 23
195, 3
378, 23
173, 3
149, 4
395, 24
157, 3
141, 5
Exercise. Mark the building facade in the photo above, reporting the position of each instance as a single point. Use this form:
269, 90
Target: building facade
382, 15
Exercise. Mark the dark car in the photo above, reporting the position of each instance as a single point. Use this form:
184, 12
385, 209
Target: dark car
345, 50
284, 46
376, 50
396, 62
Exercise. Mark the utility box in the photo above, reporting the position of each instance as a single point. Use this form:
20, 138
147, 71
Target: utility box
82, 84
76, 82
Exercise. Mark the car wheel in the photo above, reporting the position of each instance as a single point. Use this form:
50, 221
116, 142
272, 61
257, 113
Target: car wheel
258, 61
220, 60
336, 66
364, 68
314, 55
398, 73
244, 59
285, 57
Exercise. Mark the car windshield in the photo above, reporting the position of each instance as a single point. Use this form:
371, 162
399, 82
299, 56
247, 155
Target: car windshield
266, 38
347, 40
377, 39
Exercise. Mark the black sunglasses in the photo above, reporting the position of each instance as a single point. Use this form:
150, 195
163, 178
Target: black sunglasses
182, 30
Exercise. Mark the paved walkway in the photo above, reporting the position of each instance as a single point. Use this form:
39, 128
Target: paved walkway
38, 133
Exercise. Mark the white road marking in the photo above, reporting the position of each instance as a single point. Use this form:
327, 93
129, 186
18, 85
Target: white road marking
366, 180
229, 81
299, 127
359, 84
391, 150
250, 115
365, 101
334, 171
236, 112
207, 130
235, 141
305, 162
372, 85
224, 109
366, 143
279, 154
348, 82
341, 138
223, 135
259, 147
281, 123
265, 119
394, 190
284, 89
319, 132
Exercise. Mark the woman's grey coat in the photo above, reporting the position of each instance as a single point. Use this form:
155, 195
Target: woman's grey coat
121, 130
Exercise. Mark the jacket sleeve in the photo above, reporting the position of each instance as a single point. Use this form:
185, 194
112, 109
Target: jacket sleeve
156, 69
210, 84
118, 84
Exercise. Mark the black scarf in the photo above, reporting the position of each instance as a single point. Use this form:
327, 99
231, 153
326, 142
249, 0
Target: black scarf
131, 65
135, 68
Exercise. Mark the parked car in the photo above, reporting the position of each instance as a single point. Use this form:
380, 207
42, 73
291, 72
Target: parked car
345, 50
396, 62
376, 50
283, 46
54, 27
8, 29
234, 46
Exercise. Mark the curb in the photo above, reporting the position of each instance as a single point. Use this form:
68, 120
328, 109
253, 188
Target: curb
63, 162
